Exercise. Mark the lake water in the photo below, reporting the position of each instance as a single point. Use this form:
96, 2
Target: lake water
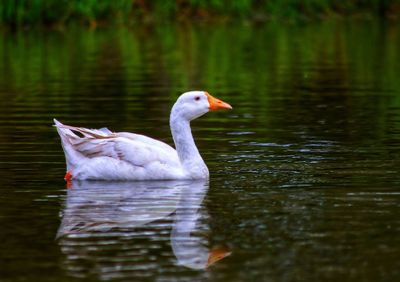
305, 170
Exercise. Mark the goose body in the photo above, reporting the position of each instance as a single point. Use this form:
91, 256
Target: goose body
100, 154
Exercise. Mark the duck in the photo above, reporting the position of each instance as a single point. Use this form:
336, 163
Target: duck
100, 154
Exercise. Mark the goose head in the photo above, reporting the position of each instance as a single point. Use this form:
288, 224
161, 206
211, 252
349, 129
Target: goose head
193, 104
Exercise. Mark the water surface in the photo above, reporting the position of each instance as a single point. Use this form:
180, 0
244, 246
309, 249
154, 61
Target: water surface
304, 171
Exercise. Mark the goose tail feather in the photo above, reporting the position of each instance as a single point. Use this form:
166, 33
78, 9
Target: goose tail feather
67, 136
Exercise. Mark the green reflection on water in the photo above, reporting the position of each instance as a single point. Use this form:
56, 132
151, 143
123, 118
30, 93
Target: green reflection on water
260, 61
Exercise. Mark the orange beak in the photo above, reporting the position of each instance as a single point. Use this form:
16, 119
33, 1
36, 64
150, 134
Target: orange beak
217, 104
217, 254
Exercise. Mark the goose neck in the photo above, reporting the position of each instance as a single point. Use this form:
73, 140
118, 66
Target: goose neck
183, 139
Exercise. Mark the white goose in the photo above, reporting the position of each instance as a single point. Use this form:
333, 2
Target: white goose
104, 155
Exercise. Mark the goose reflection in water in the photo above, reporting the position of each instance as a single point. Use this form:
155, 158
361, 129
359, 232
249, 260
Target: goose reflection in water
102, 222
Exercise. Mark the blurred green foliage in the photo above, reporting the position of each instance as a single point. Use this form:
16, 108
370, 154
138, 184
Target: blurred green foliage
47, 12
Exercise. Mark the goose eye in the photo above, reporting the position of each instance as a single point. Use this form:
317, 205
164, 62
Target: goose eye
197, 98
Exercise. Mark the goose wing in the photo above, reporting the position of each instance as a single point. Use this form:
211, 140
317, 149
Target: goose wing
136, 149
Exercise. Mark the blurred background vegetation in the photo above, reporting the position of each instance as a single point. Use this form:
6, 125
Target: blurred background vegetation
22, 13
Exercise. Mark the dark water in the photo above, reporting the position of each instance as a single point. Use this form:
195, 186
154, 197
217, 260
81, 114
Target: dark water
304, 171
